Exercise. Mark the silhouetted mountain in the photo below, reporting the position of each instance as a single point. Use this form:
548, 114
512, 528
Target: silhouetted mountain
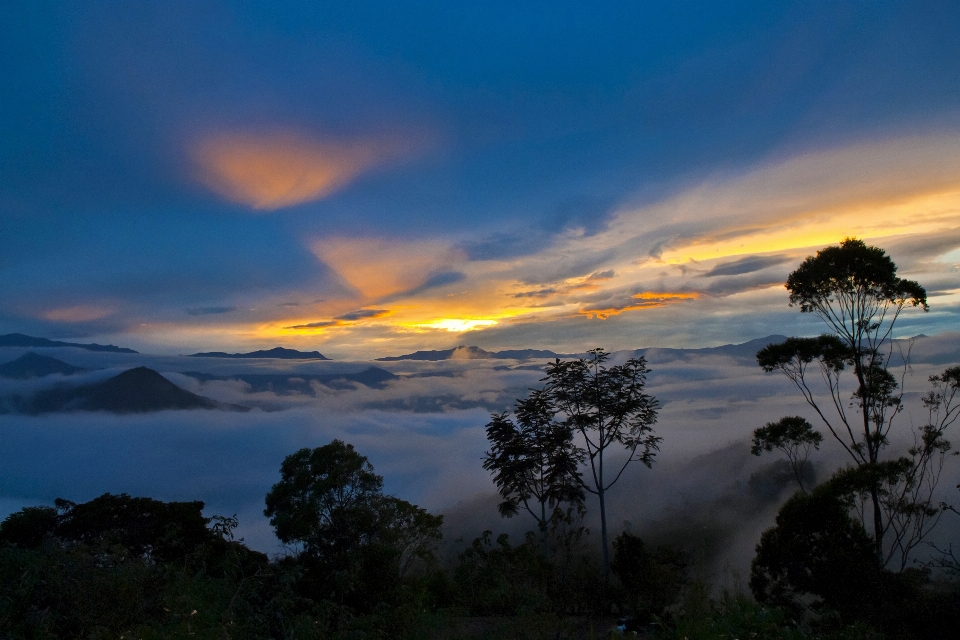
276, 352
300, 383
745, 350
139, 390
31, 365
20, 340
475, 353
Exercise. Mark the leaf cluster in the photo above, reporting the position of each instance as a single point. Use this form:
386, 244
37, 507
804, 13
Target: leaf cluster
852, 270
606, 405
534, 461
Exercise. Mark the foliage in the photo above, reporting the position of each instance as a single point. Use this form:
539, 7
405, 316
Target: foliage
852, 286
534, 462
819, 561
356, 543
854, 289
495, 577
816, 549
29, 527
651, 580
793, 436
734, 616
607, 406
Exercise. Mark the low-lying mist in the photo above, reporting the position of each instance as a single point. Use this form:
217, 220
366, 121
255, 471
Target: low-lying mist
424, 432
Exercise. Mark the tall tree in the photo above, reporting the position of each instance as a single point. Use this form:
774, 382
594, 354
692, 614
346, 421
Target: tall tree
854, 289
534, 462
607, 407
794, 437
355, 539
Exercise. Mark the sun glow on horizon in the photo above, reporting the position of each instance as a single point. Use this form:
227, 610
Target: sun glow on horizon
458, 325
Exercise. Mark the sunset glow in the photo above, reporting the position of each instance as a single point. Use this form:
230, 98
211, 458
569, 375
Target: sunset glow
362, 189
270, 171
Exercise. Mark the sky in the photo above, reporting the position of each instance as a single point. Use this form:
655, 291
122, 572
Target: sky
369, 179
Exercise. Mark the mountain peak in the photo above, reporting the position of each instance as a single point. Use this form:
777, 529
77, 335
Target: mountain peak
32, 365
139, 390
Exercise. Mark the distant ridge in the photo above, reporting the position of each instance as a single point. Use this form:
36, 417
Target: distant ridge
475, 353
20, 340
32, 365
139, 390
747, 350
276, 352
372, 377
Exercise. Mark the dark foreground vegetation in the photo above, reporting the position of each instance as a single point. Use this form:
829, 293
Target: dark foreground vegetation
123, 567
850, 557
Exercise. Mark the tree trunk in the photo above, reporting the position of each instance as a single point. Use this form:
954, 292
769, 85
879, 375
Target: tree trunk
544, 545
603, 536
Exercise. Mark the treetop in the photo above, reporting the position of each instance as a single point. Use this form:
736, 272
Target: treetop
851, 268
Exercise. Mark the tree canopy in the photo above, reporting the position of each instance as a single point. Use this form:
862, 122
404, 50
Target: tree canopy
534, 461
352, 537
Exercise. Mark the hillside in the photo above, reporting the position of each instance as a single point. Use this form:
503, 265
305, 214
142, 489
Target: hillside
139, 390
32, 365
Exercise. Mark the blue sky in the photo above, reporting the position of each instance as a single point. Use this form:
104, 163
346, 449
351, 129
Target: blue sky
372, 178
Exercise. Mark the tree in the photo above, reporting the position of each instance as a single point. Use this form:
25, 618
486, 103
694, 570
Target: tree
816, 549
651, 580
819, 558
607, 407
164, 531
854, 289
794, 437
534, 462
354, 538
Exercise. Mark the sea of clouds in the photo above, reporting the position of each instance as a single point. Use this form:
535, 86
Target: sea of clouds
424, 432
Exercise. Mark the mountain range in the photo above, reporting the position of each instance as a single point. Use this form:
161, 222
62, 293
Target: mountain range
20, 340
475, 353
372, 377
276, 352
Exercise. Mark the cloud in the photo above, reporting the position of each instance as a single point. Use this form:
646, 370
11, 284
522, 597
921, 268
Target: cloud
436, 281
209, 311
78, 313
362, 314
378, 267
745, 265
424, 432
268, 171
345, 319
646, 300
602, 275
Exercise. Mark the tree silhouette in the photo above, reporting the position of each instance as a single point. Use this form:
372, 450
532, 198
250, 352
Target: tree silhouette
854, 289
354, 540
534, 462
794, 437
607, 407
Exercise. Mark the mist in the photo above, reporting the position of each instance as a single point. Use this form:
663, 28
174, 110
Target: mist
424, 433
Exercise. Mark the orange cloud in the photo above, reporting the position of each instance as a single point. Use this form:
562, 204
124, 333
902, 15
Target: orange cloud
645, 301
377, 267
275, 170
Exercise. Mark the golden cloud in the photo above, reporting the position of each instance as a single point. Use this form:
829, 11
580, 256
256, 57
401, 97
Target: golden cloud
275, 170
378, 267
638, 301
